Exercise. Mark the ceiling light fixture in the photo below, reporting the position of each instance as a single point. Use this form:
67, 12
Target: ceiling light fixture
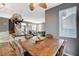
43, 5
32, 5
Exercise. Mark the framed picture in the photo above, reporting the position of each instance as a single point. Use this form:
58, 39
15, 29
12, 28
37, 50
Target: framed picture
67, 22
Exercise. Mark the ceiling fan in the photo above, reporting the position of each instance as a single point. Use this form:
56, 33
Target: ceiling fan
42, 5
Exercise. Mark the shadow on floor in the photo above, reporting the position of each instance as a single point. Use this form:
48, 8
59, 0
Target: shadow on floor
27, 54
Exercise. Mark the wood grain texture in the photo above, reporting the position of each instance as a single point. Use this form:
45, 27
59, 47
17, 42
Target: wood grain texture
47, 47
7, 50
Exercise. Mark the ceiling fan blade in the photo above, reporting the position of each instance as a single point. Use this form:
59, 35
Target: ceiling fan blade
31, 6
43, 5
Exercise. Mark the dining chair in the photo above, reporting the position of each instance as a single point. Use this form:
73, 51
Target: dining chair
62, 48
49, 36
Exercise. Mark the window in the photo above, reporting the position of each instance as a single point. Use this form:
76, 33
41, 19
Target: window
67, 22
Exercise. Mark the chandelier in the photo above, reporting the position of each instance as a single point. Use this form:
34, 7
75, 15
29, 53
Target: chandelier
42, 4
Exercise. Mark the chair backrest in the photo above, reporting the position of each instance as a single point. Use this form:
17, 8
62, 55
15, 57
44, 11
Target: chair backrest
61, 50
50, 36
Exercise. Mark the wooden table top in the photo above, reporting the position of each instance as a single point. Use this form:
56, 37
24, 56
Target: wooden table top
48, 47
6, 49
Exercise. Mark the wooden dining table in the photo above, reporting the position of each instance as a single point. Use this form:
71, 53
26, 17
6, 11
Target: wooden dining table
47, 47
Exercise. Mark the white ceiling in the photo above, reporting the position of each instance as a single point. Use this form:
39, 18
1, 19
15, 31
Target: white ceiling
36, 16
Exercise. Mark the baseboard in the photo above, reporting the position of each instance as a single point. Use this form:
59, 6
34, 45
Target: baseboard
67, 54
